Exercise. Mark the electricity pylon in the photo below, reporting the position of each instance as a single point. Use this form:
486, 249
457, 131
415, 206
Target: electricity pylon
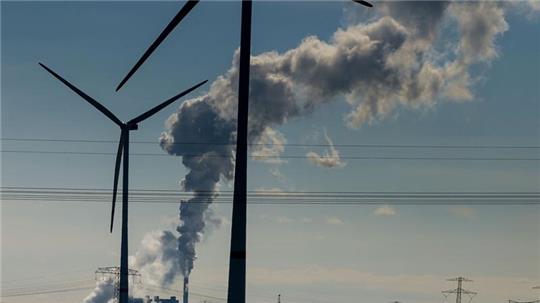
113, 273
459, 291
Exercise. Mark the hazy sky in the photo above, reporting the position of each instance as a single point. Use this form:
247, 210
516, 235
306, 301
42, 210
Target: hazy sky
315, 253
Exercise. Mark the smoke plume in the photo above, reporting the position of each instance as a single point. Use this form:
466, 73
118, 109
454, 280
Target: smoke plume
103, 293
207, 164
400, 59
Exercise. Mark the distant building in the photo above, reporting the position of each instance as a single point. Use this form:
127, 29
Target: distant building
156, 299
171, 300
141, 300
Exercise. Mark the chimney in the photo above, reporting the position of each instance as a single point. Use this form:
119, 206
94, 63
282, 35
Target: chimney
186, 289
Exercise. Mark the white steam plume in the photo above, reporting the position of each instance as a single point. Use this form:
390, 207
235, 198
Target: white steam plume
157, 258
103, 293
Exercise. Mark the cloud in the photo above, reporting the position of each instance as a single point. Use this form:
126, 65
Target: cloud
270, 190
306, 220
264, 216
479, 23
462, 212
330, 159
269, 146
385, 210
333, 221
493, 287
274, 171
284, 219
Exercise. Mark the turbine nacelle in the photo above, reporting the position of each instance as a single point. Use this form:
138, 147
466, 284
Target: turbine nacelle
131, 126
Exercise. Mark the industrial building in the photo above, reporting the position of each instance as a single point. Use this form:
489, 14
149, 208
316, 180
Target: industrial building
156, 299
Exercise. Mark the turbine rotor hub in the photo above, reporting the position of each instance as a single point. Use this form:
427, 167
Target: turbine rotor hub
132, 126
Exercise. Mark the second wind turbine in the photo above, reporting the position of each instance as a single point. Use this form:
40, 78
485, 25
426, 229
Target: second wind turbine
123, 148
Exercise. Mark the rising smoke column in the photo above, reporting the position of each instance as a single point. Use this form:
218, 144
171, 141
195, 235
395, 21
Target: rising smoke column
378, 67
207, 164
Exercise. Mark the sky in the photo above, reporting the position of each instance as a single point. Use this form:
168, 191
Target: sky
489, 96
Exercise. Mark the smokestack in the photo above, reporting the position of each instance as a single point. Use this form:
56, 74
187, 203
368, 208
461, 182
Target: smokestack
186, 289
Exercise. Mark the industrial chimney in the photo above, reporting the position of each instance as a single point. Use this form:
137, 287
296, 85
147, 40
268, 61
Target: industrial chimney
186, 289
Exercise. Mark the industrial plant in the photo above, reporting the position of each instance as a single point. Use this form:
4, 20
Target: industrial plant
112, 274
155, 299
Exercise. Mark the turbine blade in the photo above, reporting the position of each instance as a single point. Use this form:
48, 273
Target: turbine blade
174, 22
89, 99
365, 3
164, 104
116, 174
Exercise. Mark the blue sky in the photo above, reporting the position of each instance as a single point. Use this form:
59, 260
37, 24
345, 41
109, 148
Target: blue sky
330, 254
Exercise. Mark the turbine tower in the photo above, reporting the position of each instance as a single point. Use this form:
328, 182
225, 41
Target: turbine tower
237, 259
123, 150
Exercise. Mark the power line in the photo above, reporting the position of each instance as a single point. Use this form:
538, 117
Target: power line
203, 198
43, 152
73, 195
50, 291
33, 286
265, 191
310, 203
268, 193
285, 144
71, 289
40, 277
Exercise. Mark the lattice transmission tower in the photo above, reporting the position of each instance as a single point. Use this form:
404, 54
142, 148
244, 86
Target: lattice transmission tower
113, 273
459, 291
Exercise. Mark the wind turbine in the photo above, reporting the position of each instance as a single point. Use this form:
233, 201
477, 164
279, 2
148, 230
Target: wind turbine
123, 148
365, 3
237, 259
